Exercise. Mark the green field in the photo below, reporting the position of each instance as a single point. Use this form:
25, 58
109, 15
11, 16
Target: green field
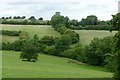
47, 67
85, 35
40, 30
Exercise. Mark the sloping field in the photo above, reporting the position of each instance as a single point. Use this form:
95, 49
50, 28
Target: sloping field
87, 35
40, 30
47, 67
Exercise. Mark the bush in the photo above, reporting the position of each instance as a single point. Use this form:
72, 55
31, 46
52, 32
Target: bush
50, 50
62, 43
29, 52
98, 48
48, 40
10, 33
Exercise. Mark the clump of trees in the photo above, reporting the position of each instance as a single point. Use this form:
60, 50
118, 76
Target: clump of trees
23, 21
48, 40
91, 22
116, 25
61, 24
10, 33
29, 52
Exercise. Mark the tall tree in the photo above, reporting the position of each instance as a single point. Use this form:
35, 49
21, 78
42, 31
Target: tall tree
57, 20
116, 25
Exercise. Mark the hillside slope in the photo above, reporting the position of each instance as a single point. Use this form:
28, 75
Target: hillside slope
47, 67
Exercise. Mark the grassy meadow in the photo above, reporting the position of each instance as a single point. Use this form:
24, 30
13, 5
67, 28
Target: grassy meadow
40, 30
85, 35
47, 67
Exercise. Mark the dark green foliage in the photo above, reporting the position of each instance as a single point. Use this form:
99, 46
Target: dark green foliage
37, 43
110, 62
25, 22
74, 53
32, 18
23, 17
29, 52
74, 22
40, 18
8, 46
18, 45
73, 35
98, 48
58, 21
51, 50
10, 33
116, 25
62, 43
48, 40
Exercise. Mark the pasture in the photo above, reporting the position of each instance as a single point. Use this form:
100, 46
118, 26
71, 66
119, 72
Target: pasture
47, 67
85, 35
40, 30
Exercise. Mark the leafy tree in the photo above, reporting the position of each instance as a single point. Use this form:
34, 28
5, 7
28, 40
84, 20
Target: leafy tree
83, 22
116, 25
23, 17
97, 50
40, 18
74, 22
48, 40
29, 52
62, 43
91, 20
3, 17
57, 20
32, 18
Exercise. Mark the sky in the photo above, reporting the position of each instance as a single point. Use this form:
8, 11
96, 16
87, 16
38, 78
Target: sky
74, 9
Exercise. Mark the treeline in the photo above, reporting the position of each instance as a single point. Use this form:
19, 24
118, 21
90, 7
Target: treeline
10, 33
89, 23
23, 21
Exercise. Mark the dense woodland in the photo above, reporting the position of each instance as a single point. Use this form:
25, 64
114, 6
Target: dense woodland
100, 52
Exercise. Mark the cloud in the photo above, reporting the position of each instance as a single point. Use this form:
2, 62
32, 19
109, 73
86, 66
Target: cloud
75, 9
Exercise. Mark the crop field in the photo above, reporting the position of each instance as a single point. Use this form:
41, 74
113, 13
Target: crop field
47, 67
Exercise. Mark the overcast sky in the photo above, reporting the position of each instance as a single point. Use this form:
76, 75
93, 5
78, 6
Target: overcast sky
74, 9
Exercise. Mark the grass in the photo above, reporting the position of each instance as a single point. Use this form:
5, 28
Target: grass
40, 30
87, 35
9, 38
47, 67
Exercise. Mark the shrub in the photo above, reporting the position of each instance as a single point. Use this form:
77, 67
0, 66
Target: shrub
48, 40
10, 33
29, 52
98, 48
